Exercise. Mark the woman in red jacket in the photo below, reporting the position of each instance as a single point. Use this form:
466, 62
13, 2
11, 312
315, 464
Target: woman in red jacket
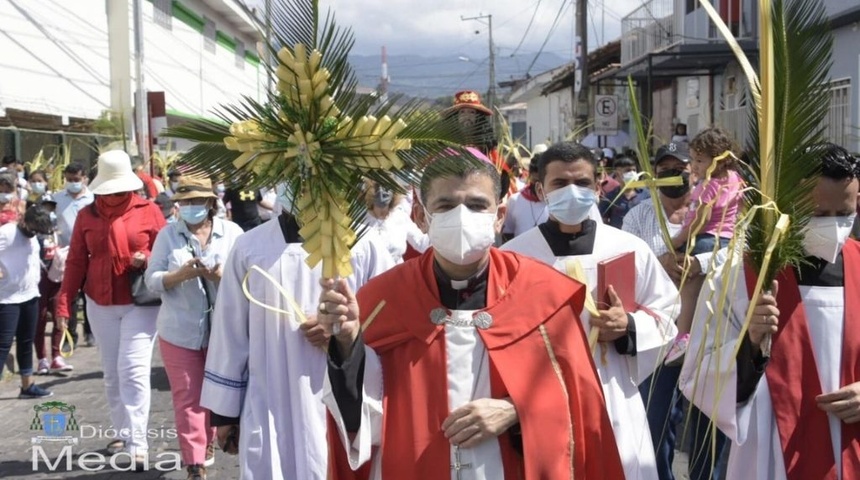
112, 240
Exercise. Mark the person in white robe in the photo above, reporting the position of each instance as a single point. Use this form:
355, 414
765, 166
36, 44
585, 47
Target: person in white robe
632, 343
264, 370
735, 390
390, 225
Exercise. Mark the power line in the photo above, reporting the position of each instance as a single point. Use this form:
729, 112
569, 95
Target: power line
528, 28
548, 35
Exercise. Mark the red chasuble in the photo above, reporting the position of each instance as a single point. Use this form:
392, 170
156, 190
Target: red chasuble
539, 357
793, 381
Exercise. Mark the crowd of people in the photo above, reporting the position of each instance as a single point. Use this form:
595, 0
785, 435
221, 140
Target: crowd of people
494, 327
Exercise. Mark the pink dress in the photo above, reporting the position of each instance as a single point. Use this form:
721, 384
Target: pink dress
724, 196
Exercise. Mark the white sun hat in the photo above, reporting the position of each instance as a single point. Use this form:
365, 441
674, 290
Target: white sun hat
115, 174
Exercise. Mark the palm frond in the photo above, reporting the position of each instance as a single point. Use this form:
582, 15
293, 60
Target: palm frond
802, 51
317, 135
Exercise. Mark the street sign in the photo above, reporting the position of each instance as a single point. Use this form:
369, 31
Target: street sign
606, 115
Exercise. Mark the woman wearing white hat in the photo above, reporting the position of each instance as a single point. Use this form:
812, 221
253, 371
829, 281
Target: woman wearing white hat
112, 241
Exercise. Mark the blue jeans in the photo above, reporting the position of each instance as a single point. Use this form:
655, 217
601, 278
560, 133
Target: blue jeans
665, 413
705, 242
18, 322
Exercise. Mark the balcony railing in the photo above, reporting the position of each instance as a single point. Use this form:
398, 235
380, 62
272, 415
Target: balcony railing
660, 24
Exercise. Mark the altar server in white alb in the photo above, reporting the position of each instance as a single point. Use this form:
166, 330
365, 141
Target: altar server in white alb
264, 371
631, 343
796, 414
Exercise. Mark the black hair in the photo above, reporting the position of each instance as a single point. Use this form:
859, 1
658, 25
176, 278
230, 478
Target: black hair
567, 152
460, 165
43, 173
9, 160
9, 181
623, 161
75, 168
837, 163
38, 219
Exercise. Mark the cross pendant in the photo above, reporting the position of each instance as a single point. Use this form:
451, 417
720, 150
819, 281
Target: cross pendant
458, 466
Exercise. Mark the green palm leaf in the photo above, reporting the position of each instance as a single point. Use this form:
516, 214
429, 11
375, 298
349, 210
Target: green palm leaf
802, 49
317, 135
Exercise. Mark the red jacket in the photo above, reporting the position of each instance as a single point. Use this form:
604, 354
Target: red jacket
89, 265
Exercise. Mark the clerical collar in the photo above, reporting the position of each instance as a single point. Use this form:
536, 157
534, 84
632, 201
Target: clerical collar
469, 294
289, 228
567, 244
816, 272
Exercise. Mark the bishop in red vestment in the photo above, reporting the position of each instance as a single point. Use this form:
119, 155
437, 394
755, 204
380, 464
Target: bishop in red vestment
471, 362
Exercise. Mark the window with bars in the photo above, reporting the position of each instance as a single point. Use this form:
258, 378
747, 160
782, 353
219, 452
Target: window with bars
209, 35
240, 54
837, 124
163, 13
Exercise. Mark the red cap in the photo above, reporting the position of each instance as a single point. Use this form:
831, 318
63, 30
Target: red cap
468, 99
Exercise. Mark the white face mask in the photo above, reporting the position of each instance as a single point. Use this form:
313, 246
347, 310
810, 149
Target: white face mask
462, 236
825, 236
570, 205
628, 177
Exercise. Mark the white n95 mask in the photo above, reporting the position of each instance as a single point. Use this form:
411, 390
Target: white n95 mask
825, 236
460, 235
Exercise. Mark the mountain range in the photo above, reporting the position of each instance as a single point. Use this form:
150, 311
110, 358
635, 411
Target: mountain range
432, 77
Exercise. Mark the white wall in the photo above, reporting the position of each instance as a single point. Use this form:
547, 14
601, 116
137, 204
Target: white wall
549, 117
693, 106
54, 59
195, 81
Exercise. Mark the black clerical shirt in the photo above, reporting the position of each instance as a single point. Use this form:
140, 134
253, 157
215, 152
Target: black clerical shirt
582, 243
751, 364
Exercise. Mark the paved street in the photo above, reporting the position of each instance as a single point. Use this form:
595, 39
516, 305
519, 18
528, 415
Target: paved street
84, 389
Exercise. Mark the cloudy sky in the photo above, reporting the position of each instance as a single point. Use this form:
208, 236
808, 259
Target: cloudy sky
434, 27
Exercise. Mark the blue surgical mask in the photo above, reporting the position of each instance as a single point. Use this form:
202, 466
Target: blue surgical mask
570, 205
74, 187
38, 187
6, 197
193, 214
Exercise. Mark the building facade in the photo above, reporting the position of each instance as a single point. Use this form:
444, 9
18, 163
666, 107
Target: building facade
67, 64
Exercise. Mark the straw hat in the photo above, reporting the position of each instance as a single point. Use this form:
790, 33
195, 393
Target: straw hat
193, 187
115, 174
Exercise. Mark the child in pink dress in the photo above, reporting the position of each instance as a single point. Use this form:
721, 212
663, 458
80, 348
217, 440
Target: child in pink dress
715, 205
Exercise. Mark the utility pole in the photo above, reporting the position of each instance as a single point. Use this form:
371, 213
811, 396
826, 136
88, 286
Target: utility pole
491, 93
582, 57
141, 108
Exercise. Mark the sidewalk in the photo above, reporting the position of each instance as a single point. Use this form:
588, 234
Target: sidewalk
83, 388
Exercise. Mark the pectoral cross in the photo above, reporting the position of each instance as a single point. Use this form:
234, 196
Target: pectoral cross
458, 466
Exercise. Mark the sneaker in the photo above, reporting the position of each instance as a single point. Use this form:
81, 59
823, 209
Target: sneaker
210, 455
90, 339
34, 391
675, 356
44, 367
60, 365
115, 447
196, 472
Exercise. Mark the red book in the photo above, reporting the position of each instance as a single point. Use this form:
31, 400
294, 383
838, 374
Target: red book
620, 272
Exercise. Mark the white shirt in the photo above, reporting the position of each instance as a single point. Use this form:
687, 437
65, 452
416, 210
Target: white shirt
642, 221
67, 211
19, 265
523, 215
395, 231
